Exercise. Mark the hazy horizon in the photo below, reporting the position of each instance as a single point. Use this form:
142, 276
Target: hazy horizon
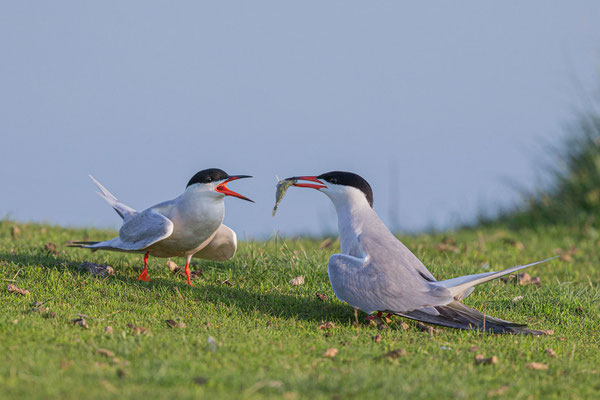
437, 106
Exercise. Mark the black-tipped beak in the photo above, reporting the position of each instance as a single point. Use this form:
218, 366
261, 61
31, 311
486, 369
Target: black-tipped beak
222, 187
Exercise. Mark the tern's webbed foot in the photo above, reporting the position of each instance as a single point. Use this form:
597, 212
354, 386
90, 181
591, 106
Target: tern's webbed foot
144, 276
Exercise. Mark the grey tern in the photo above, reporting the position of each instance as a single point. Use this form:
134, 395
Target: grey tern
376, 272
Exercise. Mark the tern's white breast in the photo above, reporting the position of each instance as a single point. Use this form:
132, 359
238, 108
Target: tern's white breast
196, 216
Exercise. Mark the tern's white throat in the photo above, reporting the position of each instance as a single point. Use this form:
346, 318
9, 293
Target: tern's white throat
353, 211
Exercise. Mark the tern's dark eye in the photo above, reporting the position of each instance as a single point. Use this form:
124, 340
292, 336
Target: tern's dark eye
208, 179
333, 180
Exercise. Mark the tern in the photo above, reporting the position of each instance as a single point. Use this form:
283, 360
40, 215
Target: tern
376, 272
189, 225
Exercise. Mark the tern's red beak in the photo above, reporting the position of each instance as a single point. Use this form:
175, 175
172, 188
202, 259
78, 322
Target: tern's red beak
222, 187
308, 185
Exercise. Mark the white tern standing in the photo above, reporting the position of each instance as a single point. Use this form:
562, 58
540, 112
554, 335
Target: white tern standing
189, 225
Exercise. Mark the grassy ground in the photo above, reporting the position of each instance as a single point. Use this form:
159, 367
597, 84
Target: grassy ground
266, 338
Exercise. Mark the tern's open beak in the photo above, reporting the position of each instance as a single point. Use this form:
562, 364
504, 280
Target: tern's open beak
308, 185
222, 187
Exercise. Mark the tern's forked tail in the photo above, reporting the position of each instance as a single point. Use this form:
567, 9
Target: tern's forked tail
122, 209
462, 286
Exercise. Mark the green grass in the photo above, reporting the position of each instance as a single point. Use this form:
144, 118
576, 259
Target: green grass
268, 344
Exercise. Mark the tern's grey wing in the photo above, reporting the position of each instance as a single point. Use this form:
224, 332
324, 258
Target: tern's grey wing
144, 229
222, 246
371, 287
410, 260
386, 250
137, 233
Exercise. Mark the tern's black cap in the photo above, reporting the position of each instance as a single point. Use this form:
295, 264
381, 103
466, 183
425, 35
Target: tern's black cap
208, 175
349, 179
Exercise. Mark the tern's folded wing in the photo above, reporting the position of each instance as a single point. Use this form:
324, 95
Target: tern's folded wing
144, 229
381, 287
222, 246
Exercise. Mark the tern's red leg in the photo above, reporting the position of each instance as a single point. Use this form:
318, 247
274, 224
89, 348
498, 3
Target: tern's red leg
187, 272
144, 275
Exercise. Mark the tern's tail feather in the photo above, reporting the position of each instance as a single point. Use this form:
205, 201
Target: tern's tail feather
84, 245
463, 286
122, 209
459, 316
112, 245
81, 244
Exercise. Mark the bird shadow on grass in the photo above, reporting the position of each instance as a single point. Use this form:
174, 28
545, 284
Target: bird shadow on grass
49, 260
279, 305
44, 259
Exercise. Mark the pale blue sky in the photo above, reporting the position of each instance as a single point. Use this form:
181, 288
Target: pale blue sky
455, 97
